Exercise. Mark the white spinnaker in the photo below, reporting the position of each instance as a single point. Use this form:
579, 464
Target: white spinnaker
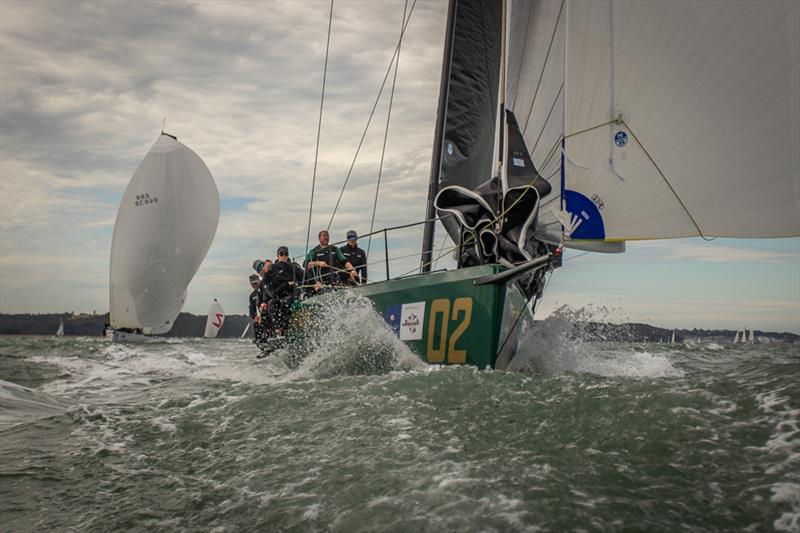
709, 99
216, 317
165, 225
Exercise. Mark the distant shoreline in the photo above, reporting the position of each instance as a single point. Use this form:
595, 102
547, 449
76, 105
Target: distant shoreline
189, 325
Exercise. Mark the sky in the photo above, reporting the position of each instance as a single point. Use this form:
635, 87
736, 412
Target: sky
86, 86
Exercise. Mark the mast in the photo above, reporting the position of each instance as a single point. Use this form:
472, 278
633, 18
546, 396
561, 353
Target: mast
438, 138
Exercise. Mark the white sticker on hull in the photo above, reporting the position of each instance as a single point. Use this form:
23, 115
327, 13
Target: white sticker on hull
411, 318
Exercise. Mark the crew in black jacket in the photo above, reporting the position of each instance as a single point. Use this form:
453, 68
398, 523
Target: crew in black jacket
356, 257
263, 320
283, 279
254, 283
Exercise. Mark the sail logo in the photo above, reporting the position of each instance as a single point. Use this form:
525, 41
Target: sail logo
412, 323
218, 322
411, 316
621, 139
145, 199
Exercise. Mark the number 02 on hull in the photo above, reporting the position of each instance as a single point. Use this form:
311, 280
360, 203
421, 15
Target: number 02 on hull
447, 319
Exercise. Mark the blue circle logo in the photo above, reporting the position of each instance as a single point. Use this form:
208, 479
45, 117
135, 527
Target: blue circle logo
621, 138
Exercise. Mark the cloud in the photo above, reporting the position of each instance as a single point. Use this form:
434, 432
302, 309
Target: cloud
85, 87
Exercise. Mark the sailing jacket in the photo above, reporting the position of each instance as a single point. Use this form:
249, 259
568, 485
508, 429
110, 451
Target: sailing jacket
254, 303
358, 258
265, 292
283, 277
333, 257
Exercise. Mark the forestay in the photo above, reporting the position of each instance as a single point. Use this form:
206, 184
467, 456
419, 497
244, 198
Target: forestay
165, 225
681, 118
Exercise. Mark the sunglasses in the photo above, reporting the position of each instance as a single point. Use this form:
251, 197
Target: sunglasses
283, 254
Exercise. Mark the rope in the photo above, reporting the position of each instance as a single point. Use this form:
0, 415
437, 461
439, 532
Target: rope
541, 74
699, 231
319, 127
369, 120
386, 132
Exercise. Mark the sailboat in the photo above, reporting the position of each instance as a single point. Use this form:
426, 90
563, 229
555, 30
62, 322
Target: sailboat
216, 317
752, 338
736, 338
672, 340
165, 225
60, 330
582, 125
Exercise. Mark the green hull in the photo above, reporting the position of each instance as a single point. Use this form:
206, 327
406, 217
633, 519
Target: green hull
447, 319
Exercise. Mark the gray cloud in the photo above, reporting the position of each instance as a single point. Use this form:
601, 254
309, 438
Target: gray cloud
85, 86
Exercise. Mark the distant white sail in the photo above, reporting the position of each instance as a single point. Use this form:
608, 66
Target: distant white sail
60, 331
246, 329
673, 338
681, 118
752, 337
216, 317
165, 225
736, 338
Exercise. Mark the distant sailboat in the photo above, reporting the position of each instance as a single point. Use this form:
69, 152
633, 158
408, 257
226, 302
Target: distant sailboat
672, 341
752, 338
736, 338
216, 317
165, 225
60, 332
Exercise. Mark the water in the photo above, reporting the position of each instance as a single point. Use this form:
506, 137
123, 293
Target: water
199, 435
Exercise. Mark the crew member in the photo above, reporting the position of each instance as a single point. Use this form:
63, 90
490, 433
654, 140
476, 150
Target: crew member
263, 319
255, 280
283, 278
325, 260
356, 257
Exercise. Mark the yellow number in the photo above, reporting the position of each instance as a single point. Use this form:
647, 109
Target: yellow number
438, 307
453, 355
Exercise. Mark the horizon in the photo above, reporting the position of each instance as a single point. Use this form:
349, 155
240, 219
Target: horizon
85, 87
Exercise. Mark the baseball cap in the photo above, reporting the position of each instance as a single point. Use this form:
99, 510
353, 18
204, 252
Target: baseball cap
352, 234
283, 250
254, 278
258, 264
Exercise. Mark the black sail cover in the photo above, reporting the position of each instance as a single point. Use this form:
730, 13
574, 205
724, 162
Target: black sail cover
467, 187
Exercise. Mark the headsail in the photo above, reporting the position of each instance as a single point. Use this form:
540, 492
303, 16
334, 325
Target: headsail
682, 119
216, 317
60, 330
165, 225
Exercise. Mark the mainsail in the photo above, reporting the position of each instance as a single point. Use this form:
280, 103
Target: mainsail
216, 317
165, 225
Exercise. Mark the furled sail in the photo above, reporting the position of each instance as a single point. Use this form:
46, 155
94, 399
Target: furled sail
165, 225
216, 317
493, 215
682, 119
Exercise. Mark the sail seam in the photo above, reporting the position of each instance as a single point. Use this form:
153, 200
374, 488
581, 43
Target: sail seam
694, 222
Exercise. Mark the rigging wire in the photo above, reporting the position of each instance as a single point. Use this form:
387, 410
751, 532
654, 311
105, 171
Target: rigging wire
369, 120
319, 127
386, 132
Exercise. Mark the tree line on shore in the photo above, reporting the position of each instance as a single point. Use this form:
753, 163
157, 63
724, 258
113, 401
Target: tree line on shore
189, 325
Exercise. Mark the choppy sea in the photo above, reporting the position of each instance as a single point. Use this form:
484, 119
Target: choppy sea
199, 435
